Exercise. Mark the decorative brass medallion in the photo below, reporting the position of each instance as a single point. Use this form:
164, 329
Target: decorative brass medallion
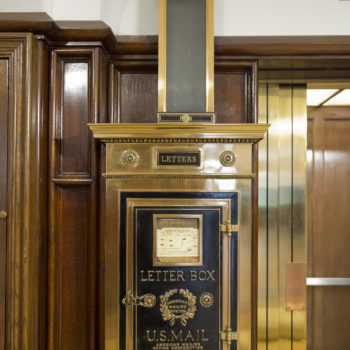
176, 304
206, 299
129, 158
227, 158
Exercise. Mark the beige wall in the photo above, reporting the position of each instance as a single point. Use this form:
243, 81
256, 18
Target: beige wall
232, 17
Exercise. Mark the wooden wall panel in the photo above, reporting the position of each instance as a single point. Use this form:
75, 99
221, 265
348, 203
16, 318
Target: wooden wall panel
72, 216
235, 91
329, 312
328, 172
74, 156
230, 104
26, 189
138, 98
134, 92
78, 90
328, 167
4, 113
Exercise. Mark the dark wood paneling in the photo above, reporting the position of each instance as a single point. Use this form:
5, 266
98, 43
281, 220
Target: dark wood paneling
230, 98
74, 152
79, 87
328, 170
73, 214
134, 92
235, 91
329, 314
138, 97
4, 95
329, 167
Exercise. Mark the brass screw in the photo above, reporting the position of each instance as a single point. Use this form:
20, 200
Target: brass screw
3, 215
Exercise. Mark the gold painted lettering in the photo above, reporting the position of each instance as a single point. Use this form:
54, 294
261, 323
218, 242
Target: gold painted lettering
189, 159
193, 159
150, 276
163, 158
211, 275
162, 337
203, 336
183, 159
149, 339
189, 336
193, 275
175, 337
158, 273
165, 272
174, 158
168, 159
180, 276
143, 279
202, 275
172, 276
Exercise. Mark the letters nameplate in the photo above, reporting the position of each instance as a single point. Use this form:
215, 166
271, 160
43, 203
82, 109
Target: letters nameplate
178, 158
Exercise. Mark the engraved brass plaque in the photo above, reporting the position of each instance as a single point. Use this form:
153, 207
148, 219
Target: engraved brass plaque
178, 158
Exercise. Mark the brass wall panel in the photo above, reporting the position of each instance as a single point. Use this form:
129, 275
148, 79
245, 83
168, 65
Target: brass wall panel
282, 231
263, 226
299, 228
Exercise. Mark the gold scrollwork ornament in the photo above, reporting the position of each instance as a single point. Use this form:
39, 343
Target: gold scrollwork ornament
129, 158
206, 299
227, 158
168, 307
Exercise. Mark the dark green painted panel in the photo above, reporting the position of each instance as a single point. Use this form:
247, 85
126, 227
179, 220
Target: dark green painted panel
186, 56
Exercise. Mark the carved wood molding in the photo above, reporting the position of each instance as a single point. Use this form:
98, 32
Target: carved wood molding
26, 192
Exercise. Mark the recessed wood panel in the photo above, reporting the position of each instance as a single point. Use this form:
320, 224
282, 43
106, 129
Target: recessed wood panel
138, 97
329, 168
74, 141
3, 192
330, 312
78, 98
230, 98
73, 223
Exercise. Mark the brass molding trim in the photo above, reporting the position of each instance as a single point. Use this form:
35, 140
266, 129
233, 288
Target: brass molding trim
178, 140
171, 176
199, 133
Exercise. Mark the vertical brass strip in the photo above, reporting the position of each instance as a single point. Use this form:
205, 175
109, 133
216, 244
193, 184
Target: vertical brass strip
129, 340
285, 210
162, 55
263, 225
299, 201
112, 286
272, 217
210, 56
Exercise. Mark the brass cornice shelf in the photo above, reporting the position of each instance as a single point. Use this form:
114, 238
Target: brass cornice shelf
170, 133
177, 176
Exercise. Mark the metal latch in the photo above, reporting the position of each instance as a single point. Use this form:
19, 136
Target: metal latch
147, 300
228, 228
227, 336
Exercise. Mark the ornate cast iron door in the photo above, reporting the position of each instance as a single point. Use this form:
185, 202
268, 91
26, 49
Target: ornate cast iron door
180, 261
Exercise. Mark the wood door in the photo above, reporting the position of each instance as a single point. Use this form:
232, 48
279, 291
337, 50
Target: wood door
3, 192
328, 226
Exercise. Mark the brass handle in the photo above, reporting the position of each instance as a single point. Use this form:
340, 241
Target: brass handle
147, 300
3, 215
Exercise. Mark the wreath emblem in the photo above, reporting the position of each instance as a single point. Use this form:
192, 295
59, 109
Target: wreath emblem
176, 304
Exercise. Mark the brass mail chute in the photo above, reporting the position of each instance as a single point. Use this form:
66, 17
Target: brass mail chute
165, 184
